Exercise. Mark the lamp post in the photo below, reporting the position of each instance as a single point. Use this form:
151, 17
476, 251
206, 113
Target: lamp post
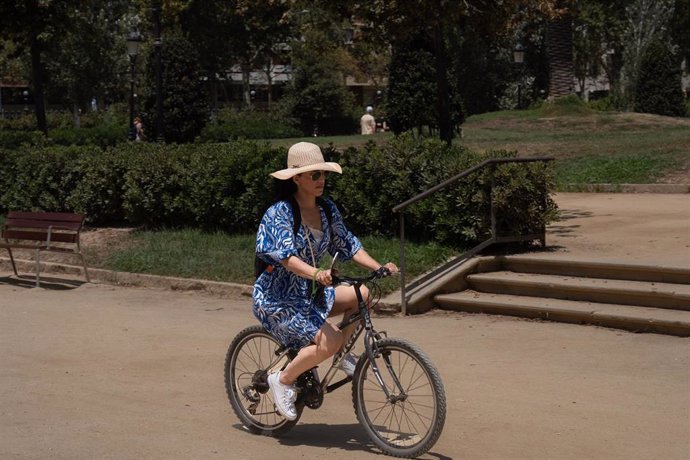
519, 59
25, 93
133, 43
158, 43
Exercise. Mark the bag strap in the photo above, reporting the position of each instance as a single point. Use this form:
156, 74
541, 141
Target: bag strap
297, 215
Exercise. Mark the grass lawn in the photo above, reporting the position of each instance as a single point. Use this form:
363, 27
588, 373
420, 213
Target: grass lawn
222, 257
589, 147
340, 142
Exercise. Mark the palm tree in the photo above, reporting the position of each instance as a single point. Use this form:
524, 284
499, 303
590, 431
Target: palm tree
559, 47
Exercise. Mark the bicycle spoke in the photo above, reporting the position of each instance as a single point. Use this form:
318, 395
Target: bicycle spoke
406, 417
252, 356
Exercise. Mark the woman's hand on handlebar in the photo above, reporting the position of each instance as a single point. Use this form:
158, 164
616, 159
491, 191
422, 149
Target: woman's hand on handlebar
392, 267
324, 278
386, 270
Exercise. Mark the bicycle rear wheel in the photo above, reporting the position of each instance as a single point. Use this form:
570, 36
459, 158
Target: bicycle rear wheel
250, 358
407, 423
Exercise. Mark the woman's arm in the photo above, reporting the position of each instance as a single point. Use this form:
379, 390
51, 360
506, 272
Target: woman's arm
303, 269
363, 259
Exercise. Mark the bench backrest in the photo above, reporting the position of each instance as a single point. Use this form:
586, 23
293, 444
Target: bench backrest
24, 225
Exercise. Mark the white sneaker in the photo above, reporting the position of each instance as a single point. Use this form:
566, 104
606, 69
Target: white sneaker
284, 396
347, 364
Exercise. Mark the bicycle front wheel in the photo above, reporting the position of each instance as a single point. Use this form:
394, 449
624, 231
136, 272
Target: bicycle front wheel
250, 358
408, 420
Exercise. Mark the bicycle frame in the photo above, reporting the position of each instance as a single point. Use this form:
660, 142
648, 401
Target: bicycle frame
371, 336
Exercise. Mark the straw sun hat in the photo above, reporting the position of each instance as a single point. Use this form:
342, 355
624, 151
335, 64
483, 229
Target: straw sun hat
303, 157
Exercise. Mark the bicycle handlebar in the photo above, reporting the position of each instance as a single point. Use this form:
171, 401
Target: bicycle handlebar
374, 275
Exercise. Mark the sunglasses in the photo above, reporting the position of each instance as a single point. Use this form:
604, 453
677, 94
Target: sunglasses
316, 175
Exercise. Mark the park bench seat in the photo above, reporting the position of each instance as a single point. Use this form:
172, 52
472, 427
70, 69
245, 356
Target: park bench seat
43, 231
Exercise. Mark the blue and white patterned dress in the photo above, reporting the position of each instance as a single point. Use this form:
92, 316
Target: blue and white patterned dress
283, 301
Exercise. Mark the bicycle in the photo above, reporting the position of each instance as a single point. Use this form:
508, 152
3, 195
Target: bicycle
397, 393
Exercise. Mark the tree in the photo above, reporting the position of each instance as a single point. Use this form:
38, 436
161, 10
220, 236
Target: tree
266, 25
680, 25
32, 25
317, 95
659, 82
213, 28
647, 21
184, 105
411, 88
598, 40
89, 60
396, 22
559, 44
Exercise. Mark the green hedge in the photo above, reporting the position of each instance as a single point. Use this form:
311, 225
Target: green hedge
226, 187
101, 136
376, 179
231, 125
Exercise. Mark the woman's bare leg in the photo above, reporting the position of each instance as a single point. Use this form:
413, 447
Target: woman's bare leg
346, 303
329, 340
326, 343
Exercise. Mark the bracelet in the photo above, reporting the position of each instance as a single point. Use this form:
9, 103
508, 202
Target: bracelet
316, 273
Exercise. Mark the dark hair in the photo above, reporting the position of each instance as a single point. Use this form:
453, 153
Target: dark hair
284, 189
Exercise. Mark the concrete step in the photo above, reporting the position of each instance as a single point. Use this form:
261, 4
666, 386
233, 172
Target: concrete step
622, 292
631, 318
596, 269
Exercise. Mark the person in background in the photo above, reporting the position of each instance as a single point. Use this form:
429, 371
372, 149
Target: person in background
139, 135
367, 123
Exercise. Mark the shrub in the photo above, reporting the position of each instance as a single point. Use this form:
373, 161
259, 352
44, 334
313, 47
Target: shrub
231, 125
101, 135
227, 187
39, 178
605, 104
380, 178
14, 139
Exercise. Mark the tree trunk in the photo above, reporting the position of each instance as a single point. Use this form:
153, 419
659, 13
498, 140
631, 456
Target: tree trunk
213, 87
37, 80
77, 118
442, 96
246, 71
559, 46
269, 80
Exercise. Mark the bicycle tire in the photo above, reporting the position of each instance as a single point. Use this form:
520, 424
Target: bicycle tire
413, 369
258, 346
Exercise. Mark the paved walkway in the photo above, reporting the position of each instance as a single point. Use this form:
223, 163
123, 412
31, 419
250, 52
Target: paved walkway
103, 372
642, 228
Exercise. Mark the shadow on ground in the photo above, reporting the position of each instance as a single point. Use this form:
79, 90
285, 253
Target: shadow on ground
349, 437
568, 214
49, 283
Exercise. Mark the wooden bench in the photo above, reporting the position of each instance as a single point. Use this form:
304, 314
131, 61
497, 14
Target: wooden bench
40, 231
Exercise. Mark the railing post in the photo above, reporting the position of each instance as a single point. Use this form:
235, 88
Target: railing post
491, 201
544, 204
403, 269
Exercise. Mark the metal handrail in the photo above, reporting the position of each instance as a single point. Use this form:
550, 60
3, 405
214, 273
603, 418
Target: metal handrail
494, 238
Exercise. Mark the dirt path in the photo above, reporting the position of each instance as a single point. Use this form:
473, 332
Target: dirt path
127, 373
93, 371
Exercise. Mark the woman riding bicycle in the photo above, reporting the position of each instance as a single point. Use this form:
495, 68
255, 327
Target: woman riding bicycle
293, 296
